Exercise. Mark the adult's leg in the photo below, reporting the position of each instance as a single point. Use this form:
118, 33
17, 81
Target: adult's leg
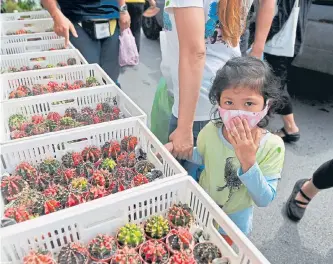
280, 66
110, 55
136, 10
90, 48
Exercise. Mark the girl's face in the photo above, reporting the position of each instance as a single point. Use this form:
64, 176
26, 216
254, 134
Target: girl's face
242, 98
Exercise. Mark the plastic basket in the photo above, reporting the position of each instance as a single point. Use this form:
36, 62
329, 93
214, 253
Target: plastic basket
82, 223
32, 43
42, 58
11, 81
44, 104
24, 15
34, 25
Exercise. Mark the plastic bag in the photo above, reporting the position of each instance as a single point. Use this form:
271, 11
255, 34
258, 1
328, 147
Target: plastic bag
128, 51
161, 112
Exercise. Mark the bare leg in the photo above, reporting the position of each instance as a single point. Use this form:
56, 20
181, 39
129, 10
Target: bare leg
309, 190
290, 124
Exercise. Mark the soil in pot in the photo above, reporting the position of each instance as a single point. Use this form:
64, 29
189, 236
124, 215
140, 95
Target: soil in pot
205, 253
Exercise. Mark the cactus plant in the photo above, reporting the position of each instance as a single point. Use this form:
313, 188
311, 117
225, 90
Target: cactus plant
25, 68
49, 166
91, 154
12, 69
16, 134
157, 227
87, 110
101, 178
96, 192
41, 181
11, 186
64, 176
154, 174
26, 170
140, 179
79, 184
54, 116
37, 119
144, 166
111, 149
27, 128
72, 159
17, 94
67, 121
39, 129
205, 253
19, 214
154, 252
108, 164
15, 121
84, 119
131, 159
85, 169
37, 67
126, 255
180, 215
122, 159
130, 235
71, 61
102, 247
61, 64
74, 199
124, 174
39, 257
104, 107
180, 239
73, 253
182, 258
57, 192
128, 143
38, 89
51, 206
92, 81
71, 112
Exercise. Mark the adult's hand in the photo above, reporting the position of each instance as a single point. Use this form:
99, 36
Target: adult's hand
182, 140
124, 20
62, 26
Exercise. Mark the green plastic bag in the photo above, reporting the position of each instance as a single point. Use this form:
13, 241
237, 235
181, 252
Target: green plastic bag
161, 112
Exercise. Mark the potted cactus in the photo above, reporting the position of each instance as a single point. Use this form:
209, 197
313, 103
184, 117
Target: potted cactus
56, 192
71, 159
73, 253
65, 176
39, 257
96, 192
157, 227
180, 215
101, 178
154, 175
180, 240
154, 252
91, 154
130, 235
108, 164
49, 166
26, 171
41, 181
128, 143
144, 166
85, 169
92, 81
140, 179
19, 214
182, 258
80, 185
205, 253
102, 248
126, 255
11, 186
15, 121
111, 149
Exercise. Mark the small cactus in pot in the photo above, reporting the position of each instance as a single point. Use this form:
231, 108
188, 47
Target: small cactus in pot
96, 192
72, 159
79, 184
19, 214
49, 166
92, 81
64, 176
11, 186
101, 178
128, 143
15, 121
102, 248
108, 164
85, 169
91, 154
126, 255
124, 174
74, 198
73, 253
180, 215
71, 112
41, 181
205, 253
144, 166
182, 258
140, 179
16, 134
154, 252
154, 175
179, 240
26, 171
111, 149
39, 257
37, 119
122, 159
51, 206
54, 116
57, 192
39, 129
130, 235
157, 227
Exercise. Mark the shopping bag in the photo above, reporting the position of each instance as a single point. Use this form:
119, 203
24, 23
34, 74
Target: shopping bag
161, 112
128, 51
283, 42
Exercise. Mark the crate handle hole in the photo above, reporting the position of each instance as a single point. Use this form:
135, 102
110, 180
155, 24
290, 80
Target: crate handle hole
62, 102
77, 141
38, 59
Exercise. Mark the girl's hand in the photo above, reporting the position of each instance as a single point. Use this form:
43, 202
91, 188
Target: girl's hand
245, 144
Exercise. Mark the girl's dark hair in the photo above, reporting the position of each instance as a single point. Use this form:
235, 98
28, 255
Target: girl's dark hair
246, 72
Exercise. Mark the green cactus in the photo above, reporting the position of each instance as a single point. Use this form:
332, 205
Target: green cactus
67, 121
102, 247
15, 121
108, 164
130, 235
157, 227
49, 166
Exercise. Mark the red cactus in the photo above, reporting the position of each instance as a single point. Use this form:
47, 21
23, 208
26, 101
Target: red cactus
12, 186
91, 154
182, 258
74, 199
96, 119
54, 116
52, 84
140, 179
51, 206
57, 192
79, 83
38, 257
65, 176
18, 134
111, 149
101, 178
37, 119
39, 129
58, 88
73, 87
87, 110
96, 192
27, 171
122, 159
27, 127
19, 214
72, 159
131, 159
41, 181
17, 94
129, 143
38, 89
115, 110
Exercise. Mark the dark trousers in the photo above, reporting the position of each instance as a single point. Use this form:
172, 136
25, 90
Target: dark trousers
105, 52
135, 10
323, 176
281, 67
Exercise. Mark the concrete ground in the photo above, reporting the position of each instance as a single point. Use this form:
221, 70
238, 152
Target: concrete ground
280, 240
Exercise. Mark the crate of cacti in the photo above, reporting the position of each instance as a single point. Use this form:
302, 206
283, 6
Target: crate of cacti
52, 80
24, 15
18, 44
28, 26
171, 223
50, 113
40, 60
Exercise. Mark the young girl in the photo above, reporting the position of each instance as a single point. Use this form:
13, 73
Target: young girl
242, 161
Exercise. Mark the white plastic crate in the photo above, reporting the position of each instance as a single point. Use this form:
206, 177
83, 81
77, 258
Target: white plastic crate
83, 222
44, 104
24, 15
32, 43
34, 25
11, 81
42, 58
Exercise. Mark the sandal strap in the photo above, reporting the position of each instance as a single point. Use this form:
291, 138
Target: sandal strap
302, 203
284, 131
304, 195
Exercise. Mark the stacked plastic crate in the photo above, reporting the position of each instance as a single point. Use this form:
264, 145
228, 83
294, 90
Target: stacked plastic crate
66, 126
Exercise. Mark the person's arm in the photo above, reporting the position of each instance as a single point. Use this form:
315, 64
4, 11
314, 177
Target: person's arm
62, 25
263, 24
190, 23
124, 17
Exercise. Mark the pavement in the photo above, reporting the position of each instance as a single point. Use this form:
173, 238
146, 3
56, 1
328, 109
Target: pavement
280, 240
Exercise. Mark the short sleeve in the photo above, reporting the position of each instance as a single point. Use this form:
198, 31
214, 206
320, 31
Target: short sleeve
272, 164
170, 4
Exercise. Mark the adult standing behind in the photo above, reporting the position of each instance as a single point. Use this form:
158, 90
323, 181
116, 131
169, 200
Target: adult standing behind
202, 36
79, 19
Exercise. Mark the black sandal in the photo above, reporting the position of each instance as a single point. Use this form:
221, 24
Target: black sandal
288, 138
294, 211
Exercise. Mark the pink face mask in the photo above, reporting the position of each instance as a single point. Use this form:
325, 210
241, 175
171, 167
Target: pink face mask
253, 118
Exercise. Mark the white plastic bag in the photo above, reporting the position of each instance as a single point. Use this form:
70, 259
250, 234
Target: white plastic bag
128, 51
283, 42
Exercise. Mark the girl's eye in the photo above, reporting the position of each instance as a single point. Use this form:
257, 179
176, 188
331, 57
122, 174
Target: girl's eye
228, 103
248, 103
